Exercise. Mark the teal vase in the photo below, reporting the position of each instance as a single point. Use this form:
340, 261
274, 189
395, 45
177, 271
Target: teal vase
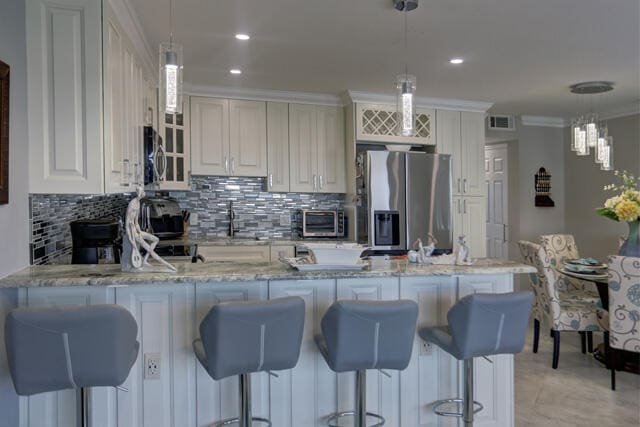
631, 246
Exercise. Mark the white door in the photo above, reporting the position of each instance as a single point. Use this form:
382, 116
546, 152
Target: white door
303, 165
209, 136
248, 138
472, 137
278, 146
496, 176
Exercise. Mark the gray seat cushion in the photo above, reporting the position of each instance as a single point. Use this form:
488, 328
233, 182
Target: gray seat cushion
483, 325
52, 349
243, 337
368, 334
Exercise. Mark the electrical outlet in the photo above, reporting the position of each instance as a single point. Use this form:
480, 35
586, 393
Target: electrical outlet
193, 218
285, 219
151, 366
426, 348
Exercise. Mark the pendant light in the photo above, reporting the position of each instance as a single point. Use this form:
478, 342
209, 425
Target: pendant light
405, 83
170, 72
587, 132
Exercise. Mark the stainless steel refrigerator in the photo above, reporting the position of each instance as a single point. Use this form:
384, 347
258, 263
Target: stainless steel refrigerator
406, 196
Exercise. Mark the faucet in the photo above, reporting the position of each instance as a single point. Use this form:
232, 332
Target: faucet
232, 229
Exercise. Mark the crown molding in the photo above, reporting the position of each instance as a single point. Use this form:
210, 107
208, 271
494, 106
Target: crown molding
126, 16
420, 101
543, 121
624, 111
264, 95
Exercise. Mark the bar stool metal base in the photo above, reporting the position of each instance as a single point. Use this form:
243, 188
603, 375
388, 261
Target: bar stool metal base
245, 419
477, 407
336, 417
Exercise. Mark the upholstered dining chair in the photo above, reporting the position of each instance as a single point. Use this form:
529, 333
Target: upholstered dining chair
622, 321
562, 310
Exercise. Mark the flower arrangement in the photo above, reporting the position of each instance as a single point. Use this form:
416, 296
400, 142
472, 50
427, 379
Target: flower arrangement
626, 205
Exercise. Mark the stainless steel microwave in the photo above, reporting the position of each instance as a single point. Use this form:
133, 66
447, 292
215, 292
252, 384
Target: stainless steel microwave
322, 223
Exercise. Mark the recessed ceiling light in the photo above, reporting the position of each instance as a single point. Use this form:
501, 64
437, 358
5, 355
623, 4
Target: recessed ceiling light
456, 61
242, 36
235, 71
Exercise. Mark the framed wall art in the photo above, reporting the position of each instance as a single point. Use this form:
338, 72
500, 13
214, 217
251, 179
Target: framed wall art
4, 133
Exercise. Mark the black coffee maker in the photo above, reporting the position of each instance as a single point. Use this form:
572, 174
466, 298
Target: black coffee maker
95, 241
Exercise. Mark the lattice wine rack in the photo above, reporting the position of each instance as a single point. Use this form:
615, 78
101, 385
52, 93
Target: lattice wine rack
380, 123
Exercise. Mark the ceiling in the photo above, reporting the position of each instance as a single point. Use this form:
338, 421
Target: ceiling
521, 55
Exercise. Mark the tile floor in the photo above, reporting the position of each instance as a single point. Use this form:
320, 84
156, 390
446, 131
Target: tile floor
578, 393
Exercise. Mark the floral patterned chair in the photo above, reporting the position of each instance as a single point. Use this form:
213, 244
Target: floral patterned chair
563, 310
622, 321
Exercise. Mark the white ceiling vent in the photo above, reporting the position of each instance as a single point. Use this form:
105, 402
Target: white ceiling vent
501, 123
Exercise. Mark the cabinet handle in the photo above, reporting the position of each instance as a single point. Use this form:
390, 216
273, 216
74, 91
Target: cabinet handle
226, 164
321, 182
459, 191
504, 233
270, 180
464, 185
233, 166
458, 204
464, 202
315, 180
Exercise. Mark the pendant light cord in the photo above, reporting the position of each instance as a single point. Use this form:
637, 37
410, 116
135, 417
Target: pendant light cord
406, 43
171, 24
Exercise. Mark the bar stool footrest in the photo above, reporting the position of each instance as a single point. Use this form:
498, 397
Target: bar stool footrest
231, 421
477, 407
335, 417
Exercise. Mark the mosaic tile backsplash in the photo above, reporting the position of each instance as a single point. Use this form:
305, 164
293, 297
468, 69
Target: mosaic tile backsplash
258, 213
51, 214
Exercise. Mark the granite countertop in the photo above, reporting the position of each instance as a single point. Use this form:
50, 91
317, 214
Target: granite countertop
110, 274
245, 241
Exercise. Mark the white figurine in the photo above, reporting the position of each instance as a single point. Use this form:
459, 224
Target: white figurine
462, 257
135, 239
428, 250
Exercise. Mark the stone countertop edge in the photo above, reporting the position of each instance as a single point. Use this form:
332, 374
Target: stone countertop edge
110, 275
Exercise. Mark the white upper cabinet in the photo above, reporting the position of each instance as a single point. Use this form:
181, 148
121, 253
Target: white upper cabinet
461, 134
248, 138
228, 137
64, 58
78, 57
175, 151
278, 146
379, 123
209, 136
317, 149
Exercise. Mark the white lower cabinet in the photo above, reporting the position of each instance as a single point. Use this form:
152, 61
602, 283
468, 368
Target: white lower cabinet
383, 392
165, 315
58, 409
305, 395
436, 375
218, 400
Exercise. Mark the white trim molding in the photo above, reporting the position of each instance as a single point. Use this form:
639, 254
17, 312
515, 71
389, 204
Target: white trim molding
543, 121
263, 95
128, 19
421, 102
623, 111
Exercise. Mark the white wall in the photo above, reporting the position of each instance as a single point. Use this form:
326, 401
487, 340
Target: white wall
597, 236
14, 217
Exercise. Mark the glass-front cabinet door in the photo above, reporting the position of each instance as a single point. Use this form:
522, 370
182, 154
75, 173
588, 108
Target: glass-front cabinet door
174, 151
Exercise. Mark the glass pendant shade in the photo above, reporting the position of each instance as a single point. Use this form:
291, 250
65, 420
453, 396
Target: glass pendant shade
607, 155
575, 134
406, 87
582, 148
171, 78
602, 143
592, 131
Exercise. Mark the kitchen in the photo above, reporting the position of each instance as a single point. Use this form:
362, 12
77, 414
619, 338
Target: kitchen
244, 168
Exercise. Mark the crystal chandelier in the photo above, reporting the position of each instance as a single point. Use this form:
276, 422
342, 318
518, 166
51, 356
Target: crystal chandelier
587, 132
170, 72
405, 83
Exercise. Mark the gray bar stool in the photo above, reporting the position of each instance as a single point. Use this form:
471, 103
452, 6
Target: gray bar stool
361, 335
480, 325
51, 349
238, 338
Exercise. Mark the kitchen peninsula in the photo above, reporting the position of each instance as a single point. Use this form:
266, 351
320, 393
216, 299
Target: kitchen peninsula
168, 307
